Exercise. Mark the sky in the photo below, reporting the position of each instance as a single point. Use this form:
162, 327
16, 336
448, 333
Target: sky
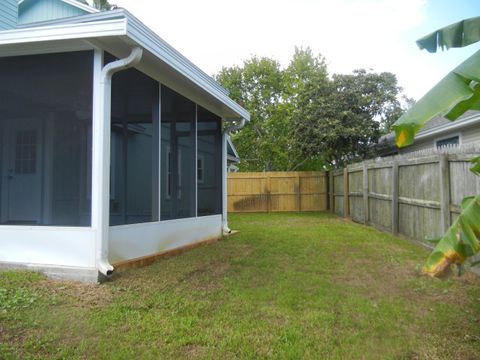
351, 34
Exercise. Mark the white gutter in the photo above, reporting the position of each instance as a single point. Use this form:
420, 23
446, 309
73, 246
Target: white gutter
100, 219
225, 135
60, 31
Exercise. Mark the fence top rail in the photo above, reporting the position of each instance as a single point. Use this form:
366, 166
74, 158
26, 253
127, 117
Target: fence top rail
284, 174
337, 172
457, 153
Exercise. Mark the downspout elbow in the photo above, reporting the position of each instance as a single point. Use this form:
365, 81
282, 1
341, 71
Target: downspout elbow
234, 127
105, 267
122, 64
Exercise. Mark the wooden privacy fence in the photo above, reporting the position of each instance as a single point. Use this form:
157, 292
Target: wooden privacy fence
415, 197
277, 191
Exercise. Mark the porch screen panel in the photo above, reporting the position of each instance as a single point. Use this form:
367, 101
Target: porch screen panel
134, 148
178, 173
46, 139
209, 163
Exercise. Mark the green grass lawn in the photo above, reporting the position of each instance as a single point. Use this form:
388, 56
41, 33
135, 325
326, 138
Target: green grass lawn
288, 286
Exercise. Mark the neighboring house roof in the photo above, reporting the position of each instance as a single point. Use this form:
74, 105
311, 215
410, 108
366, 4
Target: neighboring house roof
74, 3
117, 32
433, 128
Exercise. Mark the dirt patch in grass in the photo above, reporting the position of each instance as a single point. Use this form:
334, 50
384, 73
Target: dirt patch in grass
207, 277
375, 280
84, 295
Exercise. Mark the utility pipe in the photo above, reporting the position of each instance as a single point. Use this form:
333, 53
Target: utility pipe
234, 127
100, 220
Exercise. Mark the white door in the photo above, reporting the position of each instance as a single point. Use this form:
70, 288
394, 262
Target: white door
22, 171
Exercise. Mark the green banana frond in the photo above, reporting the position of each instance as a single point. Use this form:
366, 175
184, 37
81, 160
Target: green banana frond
461, 241
460, 34
476, 165
456, 93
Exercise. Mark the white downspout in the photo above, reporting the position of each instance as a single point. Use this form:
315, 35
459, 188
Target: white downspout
101, 193
226, 132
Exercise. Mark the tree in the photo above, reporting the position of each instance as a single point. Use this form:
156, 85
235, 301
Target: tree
259, 86
340, 121
301, 119
103, 5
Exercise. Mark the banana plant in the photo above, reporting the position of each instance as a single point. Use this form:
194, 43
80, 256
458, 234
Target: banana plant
458, 92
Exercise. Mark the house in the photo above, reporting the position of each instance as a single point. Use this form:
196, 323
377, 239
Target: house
114, 145
438, 133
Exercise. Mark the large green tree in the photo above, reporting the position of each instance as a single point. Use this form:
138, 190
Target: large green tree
303, 119
260, 87
341, 121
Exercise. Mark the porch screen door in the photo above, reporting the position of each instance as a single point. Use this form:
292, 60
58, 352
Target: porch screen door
22, 171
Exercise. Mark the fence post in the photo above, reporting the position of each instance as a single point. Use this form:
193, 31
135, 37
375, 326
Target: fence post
395, 198
444, 170
346, 191
299, 196
269, 194
331, 200
365, 193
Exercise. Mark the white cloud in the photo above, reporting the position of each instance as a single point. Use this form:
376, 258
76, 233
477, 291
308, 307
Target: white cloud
351, 34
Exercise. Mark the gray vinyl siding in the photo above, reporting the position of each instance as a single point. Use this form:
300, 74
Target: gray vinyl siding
468, 135
8, 14
471, 135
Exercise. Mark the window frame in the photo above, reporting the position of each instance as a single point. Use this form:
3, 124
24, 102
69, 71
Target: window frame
447, 137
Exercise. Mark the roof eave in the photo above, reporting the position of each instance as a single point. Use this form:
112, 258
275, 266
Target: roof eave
454, 125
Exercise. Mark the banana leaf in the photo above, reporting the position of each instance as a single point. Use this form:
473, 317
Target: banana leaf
460, 34
461, 241
456, 93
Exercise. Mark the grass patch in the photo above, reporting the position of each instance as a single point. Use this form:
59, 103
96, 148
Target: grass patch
288, 286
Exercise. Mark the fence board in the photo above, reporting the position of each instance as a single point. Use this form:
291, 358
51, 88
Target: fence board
277, 191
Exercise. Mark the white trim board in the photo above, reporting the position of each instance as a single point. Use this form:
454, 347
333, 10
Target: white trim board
133, 241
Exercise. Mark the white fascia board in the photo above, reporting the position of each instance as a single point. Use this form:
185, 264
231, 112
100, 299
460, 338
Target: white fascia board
116, 27
449, 127
158, 47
